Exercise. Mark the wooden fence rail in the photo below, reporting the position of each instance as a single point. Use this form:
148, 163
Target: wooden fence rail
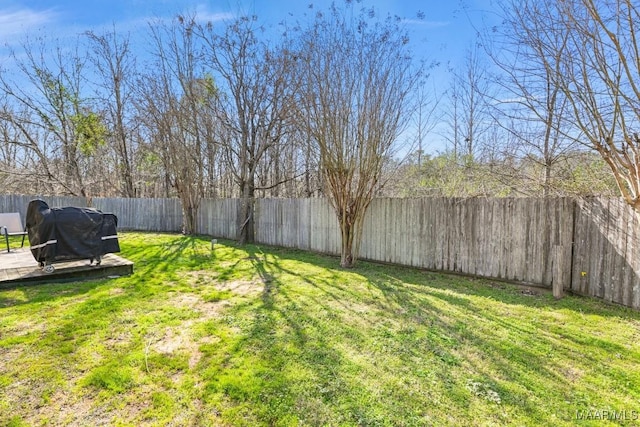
586, 246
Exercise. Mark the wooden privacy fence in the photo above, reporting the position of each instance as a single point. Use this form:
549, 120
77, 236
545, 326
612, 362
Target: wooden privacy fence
606, 258
512, 239
587, 246
133, 214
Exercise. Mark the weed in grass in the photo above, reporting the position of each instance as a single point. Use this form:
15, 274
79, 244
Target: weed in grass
115, 379
163, 405
16, 422
216, 295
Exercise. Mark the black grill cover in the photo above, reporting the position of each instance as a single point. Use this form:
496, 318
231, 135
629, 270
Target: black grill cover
59, 234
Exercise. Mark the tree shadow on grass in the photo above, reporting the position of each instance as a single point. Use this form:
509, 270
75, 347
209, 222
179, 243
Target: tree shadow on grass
286, 365
166, 254
322, 345
508, 347
472, 326
309, 352
514, 342
21, 295
502, 291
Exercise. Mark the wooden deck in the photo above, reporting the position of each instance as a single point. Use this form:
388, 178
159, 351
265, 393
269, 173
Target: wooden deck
18, 268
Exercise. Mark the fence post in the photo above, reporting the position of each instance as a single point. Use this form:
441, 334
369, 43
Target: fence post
560, 265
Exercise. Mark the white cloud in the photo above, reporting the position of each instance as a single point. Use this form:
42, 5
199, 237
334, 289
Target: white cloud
204, 15
18, 21
201, 13
426, 24
516, 100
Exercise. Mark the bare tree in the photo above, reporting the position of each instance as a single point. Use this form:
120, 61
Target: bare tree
116, 68
453, 117
173, 101
600, 79
469, 91
359, 80
425, 119
592, 50
258, 99
20, 171
530, 104
51, 116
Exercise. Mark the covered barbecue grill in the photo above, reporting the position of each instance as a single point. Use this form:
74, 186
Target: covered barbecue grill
69, 233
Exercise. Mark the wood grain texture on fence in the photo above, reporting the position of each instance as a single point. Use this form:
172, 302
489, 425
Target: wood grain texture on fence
523, 240
133, 214
143, 214
19, 203
511, 239
217, 217
606, 256
308, 224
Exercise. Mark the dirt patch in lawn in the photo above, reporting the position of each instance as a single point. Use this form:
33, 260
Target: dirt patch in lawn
241, 287
66, 409
205, 310
181, 338
200, 279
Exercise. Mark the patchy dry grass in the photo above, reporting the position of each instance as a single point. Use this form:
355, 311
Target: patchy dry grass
264, 336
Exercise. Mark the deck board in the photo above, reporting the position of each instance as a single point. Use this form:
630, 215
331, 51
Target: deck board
18, 267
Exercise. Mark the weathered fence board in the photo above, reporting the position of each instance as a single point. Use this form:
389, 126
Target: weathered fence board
510, 239
143, 214
217, 217
133, 214
324, 232
606, 258
19, 203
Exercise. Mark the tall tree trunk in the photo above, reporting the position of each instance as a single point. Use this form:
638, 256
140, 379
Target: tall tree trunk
125, 166
190, 214
347, 255
245, 220
547, 179
190, 205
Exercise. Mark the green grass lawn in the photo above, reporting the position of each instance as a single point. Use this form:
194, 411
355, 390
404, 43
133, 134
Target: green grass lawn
264, 336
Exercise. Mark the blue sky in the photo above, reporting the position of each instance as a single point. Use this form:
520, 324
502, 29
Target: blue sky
443, 35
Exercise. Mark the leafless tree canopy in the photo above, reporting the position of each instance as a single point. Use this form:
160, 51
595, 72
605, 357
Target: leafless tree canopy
255, 115
599, 76
175, 104
116, 68
570, 71
358, 78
